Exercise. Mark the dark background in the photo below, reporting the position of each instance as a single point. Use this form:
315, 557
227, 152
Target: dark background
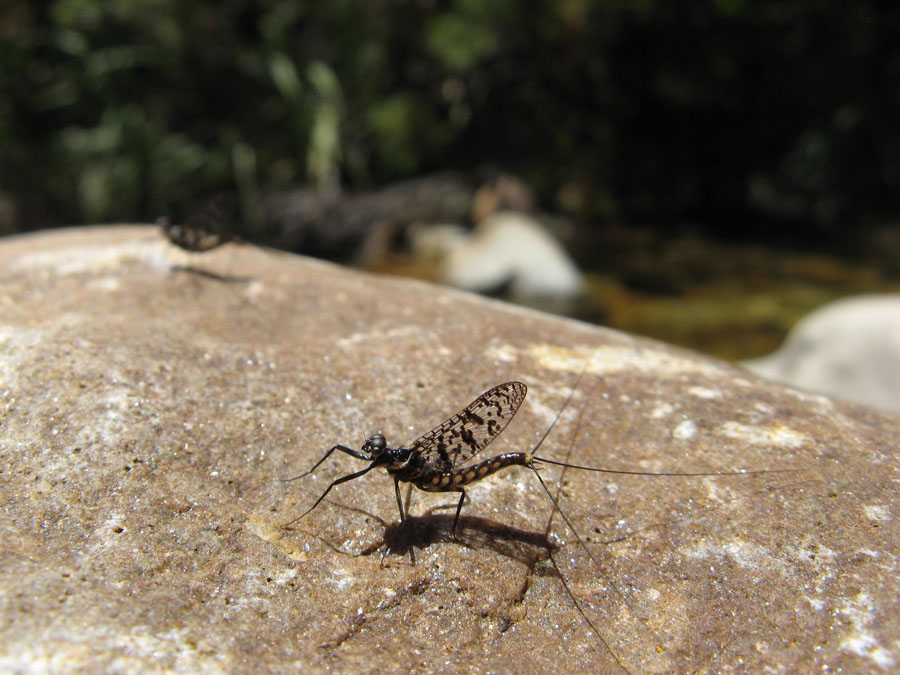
755, 119
772, 122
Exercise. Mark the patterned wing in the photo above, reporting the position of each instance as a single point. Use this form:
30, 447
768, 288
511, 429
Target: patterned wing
470, 430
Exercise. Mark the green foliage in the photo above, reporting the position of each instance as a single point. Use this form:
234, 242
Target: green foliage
458, 41
717, 110
403, 125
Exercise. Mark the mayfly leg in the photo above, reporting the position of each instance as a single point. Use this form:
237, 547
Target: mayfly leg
343, 448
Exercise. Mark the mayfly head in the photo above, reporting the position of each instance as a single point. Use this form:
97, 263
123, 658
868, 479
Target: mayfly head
374, 446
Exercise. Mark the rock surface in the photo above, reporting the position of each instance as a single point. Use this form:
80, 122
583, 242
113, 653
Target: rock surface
147, 413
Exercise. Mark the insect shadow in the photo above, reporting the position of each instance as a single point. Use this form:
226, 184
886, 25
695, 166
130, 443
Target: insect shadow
420, 532
212, 276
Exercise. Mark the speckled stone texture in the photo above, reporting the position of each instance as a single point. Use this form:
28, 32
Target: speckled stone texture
147, 414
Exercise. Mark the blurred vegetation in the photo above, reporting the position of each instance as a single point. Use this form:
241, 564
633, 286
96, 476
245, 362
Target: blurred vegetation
765, 117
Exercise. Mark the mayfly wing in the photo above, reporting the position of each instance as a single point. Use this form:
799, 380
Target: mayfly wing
470, 430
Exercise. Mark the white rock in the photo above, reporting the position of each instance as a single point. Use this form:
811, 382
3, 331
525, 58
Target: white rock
433, 242
849, 349
511, 248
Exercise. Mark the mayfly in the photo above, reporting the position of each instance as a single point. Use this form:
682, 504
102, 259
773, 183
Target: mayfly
435, 462
207, 228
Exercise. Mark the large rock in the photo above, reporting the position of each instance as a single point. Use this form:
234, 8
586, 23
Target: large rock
849, 348
149, 412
